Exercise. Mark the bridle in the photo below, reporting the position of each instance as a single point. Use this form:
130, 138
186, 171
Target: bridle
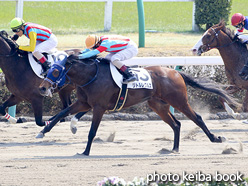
208, 47
64, 74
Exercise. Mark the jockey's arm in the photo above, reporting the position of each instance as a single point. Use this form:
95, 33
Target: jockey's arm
88, 54
32, 43
243, 37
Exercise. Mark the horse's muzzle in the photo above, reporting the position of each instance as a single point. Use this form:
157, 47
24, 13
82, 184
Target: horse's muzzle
45, 92
196, 52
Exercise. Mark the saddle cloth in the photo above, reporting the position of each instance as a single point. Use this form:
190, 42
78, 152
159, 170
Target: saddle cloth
37, 68
144, 78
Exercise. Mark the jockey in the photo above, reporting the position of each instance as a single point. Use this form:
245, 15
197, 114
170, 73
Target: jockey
120, 48
41, 40
240, 22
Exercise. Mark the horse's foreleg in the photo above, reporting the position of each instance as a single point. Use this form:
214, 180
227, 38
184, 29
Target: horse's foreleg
37, 105
245, 102
11, 101
97, 117
74, 108
162, 110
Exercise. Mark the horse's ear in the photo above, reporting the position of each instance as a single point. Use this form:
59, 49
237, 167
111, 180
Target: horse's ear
222, 23
55, 73
63, 61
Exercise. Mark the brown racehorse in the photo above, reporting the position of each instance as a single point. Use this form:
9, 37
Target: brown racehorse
22, 82
234, 55
96, 90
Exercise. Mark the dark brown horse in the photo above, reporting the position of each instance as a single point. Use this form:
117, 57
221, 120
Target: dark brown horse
96, 90
22, 82
234, 55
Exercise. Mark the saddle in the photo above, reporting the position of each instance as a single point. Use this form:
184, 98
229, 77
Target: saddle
36, 65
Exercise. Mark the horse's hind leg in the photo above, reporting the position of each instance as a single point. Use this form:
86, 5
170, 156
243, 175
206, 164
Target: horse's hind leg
163, 110
185, 108
229, 110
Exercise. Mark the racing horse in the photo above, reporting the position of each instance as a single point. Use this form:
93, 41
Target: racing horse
22, 82
96, 90
234, 55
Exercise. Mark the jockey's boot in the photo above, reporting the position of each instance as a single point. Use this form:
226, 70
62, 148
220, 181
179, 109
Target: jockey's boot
128, 75
45, 66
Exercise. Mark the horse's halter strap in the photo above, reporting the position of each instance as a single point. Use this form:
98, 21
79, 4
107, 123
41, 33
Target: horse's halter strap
208, 44
56, 82
216, 37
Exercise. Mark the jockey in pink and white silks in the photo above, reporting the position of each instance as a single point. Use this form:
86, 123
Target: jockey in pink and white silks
240, 22
120, 48
41, 39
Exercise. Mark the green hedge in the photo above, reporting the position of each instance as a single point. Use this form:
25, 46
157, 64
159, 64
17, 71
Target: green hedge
210, 12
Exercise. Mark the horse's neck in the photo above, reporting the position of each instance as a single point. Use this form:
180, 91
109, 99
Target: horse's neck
230, 53
81, 74
13, 64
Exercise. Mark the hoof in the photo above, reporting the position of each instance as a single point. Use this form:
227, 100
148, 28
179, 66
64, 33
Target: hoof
73, 125
222, 139
245, 121
81, 154
21, 120
238, 116
63, 120
40, 135
73, 130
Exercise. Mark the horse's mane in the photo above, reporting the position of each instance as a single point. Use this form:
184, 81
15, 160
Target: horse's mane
5, 36
92, 59
231, 34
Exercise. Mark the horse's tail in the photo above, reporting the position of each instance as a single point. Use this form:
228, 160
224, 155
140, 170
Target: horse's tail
209, 86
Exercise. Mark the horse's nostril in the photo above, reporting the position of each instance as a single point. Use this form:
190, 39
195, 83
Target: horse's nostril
42, 89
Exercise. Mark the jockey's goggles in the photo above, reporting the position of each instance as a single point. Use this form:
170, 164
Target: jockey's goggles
238, 25
16, 30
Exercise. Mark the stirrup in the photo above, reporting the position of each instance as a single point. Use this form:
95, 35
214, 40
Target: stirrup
128, 80
44, 73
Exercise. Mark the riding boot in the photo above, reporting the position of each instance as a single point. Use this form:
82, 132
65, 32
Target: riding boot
45, 66
128, 75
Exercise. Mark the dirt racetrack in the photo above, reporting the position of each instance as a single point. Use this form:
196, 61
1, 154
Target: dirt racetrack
139, 148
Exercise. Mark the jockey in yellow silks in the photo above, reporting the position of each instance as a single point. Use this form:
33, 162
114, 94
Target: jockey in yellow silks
41, 39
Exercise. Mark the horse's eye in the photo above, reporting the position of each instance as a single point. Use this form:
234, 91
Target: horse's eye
55, 73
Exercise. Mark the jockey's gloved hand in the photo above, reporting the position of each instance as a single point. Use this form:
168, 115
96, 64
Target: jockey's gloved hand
16, 46
15, 37
236, 37
22, 52
73, 57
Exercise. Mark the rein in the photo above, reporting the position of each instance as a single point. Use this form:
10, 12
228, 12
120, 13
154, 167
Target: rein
96, 61
62, 75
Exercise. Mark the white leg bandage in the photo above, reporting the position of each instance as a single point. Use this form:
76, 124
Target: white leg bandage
10, 118
47, 122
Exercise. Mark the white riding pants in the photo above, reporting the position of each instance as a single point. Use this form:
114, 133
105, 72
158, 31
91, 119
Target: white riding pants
130, 51
45, 46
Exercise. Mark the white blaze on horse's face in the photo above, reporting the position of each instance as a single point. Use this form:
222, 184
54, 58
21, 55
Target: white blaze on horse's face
195, 49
